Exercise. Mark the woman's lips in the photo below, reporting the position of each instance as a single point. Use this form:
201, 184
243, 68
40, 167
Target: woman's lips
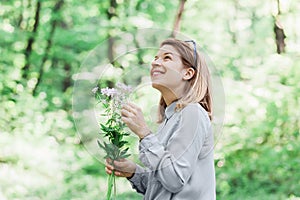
156, 73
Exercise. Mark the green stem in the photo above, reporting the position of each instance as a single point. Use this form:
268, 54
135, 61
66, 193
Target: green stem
115, 188
110, 184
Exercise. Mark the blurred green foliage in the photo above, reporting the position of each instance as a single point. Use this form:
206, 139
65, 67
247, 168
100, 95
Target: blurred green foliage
41, 156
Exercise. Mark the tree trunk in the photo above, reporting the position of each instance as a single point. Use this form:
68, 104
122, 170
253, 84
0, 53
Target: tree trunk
28, 50
20, 18
111, 12
176, 27
67, 80
54, 22
279, 36
279, 32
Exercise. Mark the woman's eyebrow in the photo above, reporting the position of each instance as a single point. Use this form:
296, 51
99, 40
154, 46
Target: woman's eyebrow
168, 53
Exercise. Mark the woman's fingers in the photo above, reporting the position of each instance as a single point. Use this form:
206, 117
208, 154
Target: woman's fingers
133, 117
125, 107
121, 168
120, 174
107, 170
130, 108
116, 165
117, 173
126, 113
119, 164
130, 112
109, 165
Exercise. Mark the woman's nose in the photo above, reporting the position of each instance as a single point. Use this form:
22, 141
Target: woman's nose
156, 62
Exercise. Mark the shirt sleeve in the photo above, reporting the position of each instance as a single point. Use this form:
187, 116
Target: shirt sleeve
139, 180
174, 164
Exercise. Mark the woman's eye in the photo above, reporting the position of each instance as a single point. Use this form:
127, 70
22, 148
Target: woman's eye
167, 58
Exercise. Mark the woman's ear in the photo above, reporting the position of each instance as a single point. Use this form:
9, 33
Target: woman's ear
189, 73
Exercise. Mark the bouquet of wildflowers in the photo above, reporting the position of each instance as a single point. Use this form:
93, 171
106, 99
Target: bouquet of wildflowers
113, 129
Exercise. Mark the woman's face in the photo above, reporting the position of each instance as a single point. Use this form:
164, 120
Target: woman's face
167, 71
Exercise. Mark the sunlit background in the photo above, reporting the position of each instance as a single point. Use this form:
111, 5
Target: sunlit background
254, 45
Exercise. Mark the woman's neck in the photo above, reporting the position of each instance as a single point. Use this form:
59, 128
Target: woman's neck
169, 100
170, 96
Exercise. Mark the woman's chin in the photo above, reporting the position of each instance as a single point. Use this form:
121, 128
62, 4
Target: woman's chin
159, 86
156, 85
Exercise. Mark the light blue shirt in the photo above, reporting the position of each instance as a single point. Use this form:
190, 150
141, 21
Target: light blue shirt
178, 159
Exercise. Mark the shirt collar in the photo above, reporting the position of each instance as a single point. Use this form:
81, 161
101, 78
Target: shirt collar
170, 110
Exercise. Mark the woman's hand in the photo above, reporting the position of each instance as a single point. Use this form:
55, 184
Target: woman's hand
122, 168
133, 117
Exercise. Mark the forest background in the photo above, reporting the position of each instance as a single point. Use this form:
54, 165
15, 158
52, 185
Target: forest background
254, 45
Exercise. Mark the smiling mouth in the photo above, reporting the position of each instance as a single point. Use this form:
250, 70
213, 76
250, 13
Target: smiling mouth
156, 73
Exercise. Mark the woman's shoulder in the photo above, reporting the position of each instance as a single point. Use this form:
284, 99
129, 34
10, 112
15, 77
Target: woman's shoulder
195, 110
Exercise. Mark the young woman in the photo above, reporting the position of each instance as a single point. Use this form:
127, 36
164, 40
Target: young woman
178, 159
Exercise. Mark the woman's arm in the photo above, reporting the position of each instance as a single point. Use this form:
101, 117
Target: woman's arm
175, 163
139, 180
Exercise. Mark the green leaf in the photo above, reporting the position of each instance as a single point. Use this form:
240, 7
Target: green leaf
100, 145
124, 156
124, 152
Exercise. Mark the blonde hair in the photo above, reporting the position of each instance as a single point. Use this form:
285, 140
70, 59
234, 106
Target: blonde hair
199, 89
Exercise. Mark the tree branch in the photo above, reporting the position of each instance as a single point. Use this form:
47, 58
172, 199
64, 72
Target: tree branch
176, 27
279, 32
111, 12
31, 40
54, 22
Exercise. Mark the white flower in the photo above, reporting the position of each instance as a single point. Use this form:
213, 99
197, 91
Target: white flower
109, 91
124, 88
94, 90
